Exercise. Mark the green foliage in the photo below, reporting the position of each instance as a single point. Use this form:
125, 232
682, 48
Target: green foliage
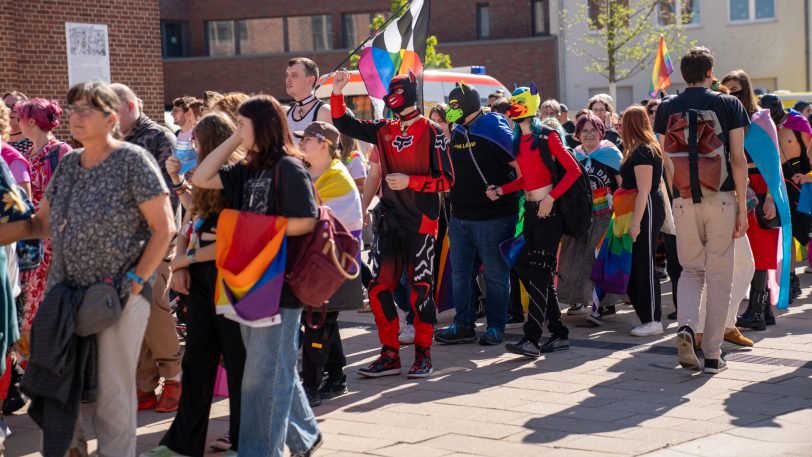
623, 36
434, 59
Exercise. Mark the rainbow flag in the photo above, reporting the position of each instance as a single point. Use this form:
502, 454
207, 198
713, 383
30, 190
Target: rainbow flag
251, 254
395, 50
613, 264
662, 69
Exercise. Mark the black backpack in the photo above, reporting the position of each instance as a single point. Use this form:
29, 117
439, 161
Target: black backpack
575, 205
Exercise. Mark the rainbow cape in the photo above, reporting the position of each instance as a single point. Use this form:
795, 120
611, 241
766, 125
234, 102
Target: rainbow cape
613, 263
337, 190
395, 50
251, 253
662, 70
761, 143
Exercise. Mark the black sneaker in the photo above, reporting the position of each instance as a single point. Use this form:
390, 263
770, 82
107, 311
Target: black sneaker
455, 333
685, 348
492, 337
514, 321
594, 319
609, 310
312, 451
555, 343
714, 366
524, 347
334, 387
421, 368
672, 316
313, 397
387, 364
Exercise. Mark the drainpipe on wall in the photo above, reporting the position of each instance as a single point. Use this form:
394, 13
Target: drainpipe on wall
562, 50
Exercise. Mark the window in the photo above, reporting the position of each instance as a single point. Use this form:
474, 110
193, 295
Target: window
220, 36
310, 33
598, 9
671, 12
357, 27
262, 36
540, 17
483, 21
751, 10
174, 39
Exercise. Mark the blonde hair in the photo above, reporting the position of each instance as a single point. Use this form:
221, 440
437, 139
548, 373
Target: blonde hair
5, 122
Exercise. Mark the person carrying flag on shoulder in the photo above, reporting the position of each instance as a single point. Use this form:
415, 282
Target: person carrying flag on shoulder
415, 163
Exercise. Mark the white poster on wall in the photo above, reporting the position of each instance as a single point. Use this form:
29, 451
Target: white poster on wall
88, 53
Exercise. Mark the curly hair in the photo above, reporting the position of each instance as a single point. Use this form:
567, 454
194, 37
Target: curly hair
5, 125
211, 131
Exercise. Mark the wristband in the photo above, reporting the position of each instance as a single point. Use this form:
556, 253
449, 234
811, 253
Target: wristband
180, 185
138, 280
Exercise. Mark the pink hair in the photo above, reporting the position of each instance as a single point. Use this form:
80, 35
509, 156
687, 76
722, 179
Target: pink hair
46, 113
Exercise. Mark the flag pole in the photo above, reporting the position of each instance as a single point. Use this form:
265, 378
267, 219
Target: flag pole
372, 35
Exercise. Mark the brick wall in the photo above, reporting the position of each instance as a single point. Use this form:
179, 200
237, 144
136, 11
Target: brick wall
34, 58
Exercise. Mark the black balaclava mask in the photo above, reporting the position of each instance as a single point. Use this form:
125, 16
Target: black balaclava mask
462, 102
398, 102
773, 103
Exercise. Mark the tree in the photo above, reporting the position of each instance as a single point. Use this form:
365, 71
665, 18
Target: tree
434, 59
623, 35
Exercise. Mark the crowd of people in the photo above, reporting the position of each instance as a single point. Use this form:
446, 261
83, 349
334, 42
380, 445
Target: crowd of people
593, 213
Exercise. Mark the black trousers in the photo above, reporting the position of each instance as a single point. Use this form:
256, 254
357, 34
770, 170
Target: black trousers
208, 336
644, 285
322, 350
542, 236
672, 265
515, 309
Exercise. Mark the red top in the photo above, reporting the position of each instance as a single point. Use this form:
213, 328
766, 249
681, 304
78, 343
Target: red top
535, 174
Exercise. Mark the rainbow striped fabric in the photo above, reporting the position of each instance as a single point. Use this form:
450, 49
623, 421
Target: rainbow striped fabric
613, 263
400, 47
662, 70
251, 254
337, 190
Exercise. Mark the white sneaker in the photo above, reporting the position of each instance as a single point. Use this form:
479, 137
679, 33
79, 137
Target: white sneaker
406, 335
650, 329
578, 310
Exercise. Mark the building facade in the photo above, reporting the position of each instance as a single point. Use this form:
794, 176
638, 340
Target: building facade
244, 46
33, 53
768, 39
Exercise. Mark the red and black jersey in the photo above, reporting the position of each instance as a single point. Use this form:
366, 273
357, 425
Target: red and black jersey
421, 151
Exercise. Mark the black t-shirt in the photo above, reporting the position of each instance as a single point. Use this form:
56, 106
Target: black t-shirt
467, 196
250, 189
600, 176
642, 155
569, 127
729, 110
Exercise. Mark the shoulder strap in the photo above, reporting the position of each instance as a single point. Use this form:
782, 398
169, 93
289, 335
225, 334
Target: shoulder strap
277, 196
693, 157
53, 156
546, 156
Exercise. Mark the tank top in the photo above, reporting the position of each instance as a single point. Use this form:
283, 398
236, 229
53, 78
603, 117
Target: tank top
301, 124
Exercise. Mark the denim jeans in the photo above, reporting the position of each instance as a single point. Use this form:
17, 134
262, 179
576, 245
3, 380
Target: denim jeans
274, 406
469, 240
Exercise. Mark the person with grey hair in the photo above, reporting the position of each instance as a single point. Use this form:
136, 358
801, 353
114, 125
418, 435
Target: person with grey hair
549, 108
160, 352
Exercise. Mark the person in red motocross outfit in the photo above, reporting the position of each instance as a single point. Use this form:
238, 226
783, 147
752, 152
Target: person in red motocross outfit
414, 160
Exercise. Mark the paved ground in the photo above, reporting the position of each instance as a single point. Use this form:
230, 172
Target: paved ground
611, 394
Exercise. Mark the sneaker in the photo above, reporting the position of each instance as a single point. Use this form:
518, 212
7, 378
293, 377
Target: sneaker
685, 349
578, 310
492, 337
312, 451
161, 451
524, 347
334, 387
595, 319
313, 398
170, 398
735, 336
555, 343
648, 329
808, 269
221, 444
514, 322
672, 316
661, 274
147, 400
609, 310
406, 335
421, 368
387, 364
455, 333
714, 366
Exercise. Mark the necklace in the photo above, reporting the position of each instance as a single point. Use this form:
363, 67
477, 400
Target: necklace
302, 103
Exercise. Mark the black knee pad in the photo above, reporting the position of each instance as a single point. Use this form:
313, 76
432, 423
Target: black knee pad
387, 301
